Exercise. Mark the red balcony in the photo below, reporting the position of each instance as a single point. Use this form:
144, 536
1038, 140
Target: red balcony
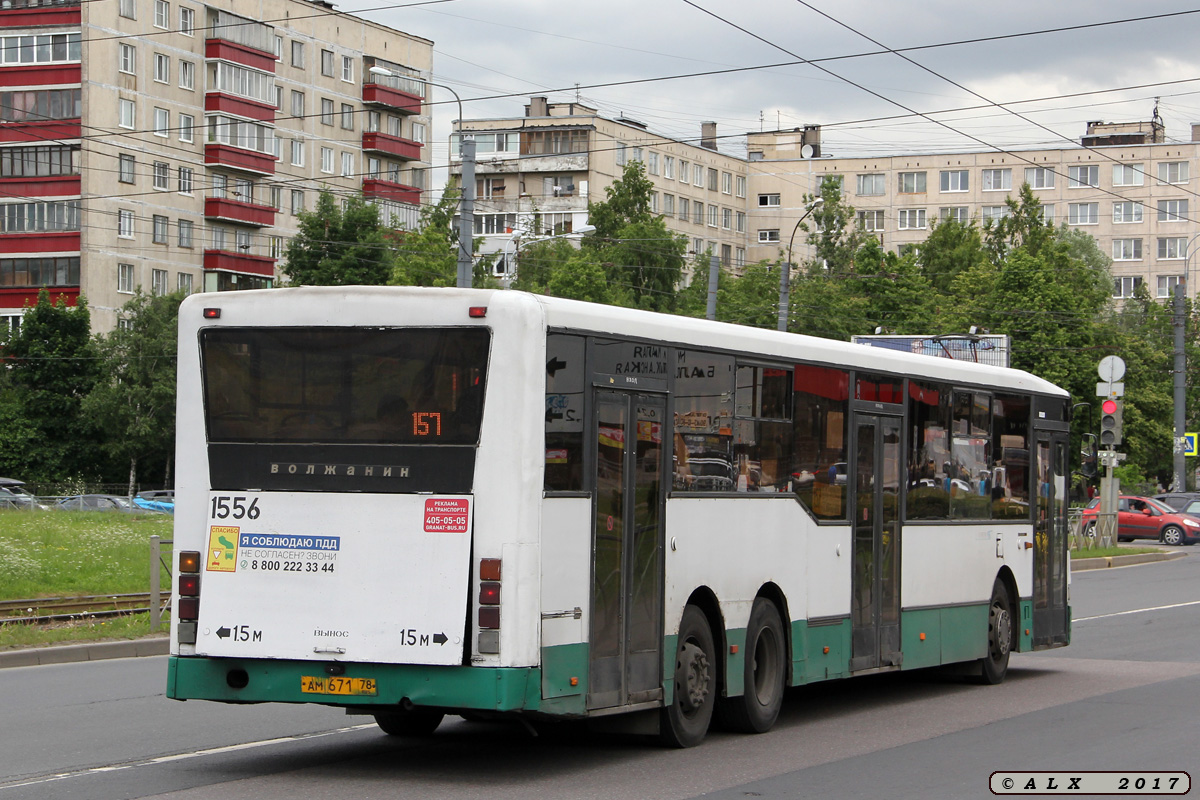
41, 132
239, 106
243, 263
41, 242
21, 296
376, 94
389, 190
240, 54
394, 146
52, 186
28, 75
39, 15
240, 159
237, 211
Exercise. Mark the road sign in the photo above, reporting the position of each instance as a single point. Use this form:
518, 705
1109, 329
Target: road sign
1114, 389
1111, 368
1190, 444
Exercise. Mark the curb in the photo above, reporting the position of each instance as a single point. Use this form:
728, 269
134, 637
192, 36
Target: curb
94, 651
1121, 561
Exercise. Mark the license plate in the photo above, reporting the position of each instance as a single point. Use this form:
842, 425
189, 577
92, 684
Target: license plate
311, 684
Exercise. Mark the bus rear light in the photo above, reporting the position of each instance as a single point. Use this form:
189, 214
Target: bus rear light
477, 312
189, 609
212, 313
489, 618
489, 569
489, 594
189, 562
189, 585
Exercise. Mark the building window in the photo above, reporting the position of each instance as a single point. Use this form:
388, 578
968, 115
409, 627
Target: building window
348, 69
127, 113
242, 238
956, 180
1173, 247
622, 156
668, 205
187, 25
996, 180
712, 180
187, 125
186, 231
669, 167
187, 76
871, 185
911, 183
159, 229
162, 122
162, 175
1039, 177
768, 201
126, 168
726, 218
219, 235
1083, 176
1083, 214
1173, 172
347, 165
218, 185
1172, 210
162, 68
297, 153
327, 63
1126, 212
960, 214
911, 219
698, 175
1128, 175
418, 132
158, 282
275, 197
297, 201
768, 236
1047, 211
125, 278
128, 58
652, 163
326, 111
993, 213
185, 283
697, 213
740, 221
298, 54
127, 9
685, 209
726, 183
326, 159
243, 190
685, 169
347, 117
713, 215
125, 224
55, 215
1167, 284
1127, 250
39, 161
740, 186
162, 14
297, 104
1125, 286
871, 220
275, 245
489, 187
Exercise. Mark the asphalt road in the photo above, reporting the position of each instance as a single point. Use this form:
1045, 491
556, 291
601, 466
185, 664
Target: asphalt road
1124, 696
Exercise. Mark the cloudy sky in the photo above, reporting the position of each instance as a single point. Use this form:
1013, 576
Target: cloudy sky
675, 63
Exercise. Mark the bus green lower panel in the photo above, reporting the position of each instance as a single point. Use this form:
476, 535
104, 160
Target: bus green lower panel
277, 681
820, 652
933, 636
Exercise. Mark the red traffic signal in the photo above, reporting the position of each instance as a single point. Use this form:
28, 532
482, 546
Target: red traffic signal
1109, 406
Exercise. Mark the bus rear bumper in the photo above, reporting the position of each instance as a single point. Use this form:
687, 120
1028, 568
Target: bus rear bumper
235, 680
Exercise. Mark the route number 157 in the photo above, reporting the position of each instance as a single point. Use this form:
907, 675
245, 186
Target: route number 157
234, 507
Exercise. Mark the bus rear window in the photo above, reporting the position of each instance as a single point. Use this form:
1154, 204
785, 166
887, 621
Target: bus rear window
344, 385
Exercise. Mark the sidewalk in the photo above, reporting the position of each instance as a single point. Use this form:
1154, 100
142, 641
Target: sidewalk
1123, 561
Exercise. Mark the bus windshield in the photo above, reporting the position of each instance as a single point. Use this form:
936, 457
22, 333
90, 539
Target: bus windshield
344, 385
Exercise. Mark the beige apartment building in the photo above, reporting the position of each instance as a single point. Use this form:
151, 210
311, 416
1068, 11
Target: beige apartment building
169, 144
536, 174
1128, 187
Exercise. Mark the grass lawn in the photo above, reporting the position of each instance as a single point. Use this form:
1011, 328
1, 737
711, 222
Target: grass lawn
1104, 552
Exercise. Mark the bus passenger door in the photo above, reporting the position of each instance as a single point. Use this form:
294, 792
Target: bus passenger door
625, 652
875, 581
1050, 546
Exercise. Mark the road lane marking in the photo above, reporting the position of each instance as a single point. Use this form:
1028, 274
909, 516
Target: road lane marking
1138, 611
178, 757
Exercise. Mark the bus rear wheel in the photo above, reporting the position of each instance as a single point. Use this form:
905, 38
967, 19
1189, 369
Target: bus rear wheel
756, 710
416, 723
994, 666
685, 721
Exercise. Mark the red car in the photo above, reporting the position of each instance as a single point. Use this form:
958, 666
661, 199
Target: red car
1144, 518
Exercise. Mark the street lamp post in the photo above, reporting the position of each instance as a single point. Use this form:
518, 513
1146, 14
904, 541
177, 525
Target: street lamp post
466, 212
786, 272
582, 231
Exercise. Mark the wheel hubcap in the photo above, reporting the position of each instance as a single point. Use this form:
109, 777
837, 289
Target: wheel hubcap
1001, 631
692, 677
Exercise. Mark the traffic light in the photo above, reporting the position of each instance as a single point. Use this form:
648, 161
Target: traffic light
1110, 422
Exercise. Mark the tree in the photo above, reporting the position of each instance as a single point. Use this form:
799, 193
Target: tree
52, 367
836, 235
133, 401
428, 256
339, 246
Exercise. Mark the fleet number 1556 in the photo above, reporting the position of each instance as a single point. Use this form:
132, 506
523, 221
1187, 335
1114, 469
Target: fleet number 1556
235, 507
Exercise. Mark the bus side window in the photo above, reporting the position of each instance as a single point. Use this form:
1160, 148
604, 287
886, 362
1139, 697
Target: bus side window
564, 413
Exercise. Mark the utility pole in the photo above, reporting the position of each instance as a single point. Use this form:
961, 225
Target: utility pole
466, 214
1179, 479
714, 272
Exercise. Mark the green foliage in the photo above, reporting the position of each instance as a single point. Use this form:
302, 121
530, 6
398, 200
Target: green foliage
951, 249
836, 236
338, 246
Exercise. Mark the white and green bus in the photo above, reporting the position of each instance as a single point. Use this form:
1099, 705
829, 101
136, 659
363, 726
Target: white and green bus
413, 502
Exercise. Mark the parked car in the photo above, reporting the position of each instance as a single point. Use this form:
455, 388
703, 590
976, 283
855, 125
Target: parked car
1177, 500
14, 495
101, 502
1146, 518
157, 500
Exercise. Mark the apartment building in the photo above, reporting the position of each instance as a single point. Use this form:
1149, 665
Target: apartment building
1125, 185
536, 174
170, 144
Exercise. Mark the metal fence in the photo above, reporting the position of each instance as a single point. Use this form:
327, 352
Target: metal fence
1100, 532
159, 558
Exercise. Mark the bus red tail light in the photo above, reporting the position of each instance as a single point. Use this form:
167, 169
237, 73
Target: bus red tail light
189, 585
489, 593
188, 607
489, 606
188, 611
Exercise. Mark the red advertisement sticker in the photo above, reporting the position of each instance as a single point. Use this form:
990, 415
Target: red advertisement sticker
446, 516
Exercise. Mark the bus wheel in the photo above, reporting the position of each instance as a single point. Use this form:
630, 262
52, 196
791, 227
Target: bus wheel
994, 665
765, 674
685, 720
418, 722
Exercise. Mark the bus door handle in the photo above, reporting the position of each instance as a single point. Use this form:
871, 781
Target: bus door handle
999, 546
575, 613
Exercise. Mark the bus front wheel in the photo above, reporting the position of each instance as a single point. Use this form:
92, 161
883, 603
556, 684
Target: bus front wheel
685, 721
994, 665
417, 722
756, 710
